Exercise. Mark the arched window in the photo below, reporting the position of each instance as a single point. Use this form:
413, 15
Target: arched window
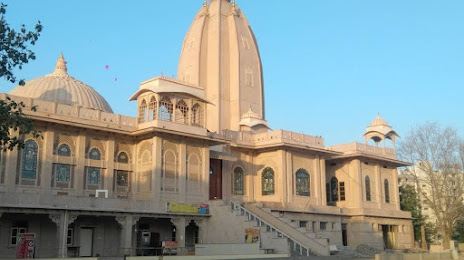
238, 181
143, 112
64, 150
95, 154
152, 109
267, 181
368, 188
169, 173
182, 112
165, 109
123, 158
29, 160
197, 115
302, 182
387, 191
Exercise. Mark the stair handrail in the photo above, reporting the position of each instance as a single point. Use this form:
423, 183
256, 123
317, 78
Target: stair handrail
236, 206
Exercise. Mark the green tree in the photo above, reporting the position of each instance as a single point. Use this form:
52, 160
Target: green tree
15, 52
409, 201
459, 231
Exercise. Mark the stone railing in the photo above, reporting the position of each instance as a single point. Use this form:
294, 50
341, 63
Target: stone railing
274, 137
364, 148
74, 111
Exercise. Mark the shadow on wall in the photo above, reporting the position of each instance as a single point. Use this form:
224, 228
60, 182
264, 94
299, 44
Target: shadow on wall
60, 95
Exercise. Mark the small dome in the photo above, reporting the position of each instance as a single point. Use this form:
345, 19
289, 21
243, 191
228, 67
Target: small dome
378, 121
250, 114
61, 88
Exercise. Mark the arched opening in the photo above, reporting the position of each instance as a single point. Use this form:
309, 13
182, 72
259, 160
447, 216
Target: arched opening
192, 234
165, 109
238, 181
267, 182
197, 115
182, 111
64, 150
152, 109
302, 182
143, 112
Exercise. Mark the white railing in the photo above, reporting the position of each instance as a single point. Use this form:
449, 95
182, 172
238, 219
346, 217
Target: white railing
304, 250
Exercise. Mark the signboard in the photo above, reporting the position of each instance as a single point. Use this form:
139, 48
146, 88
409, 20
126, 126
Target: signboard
25, 245
170, 244
187, 208
251, 235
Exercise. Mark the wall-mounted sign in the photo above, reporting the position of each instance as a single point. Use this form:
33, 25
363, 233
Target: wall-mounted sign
187, 208
25, 246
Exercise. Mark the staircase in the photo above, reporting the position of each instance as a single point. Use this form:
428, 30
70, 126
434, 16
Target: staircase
301, 241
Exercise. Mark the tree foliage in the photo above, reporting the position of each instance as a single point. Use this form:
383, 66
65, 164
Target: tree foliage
409, 201
14, 47
438, 155
15, 52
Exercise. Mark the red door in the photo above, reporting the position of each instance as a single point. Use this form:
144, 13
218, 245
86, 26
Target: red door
215, 179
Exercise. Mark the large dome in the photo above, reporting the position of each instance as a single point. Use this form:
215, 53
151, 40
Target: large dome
61, 88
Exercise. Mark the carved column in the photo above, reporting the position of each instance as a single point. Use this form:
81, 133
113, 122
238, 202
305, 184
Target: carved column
127, 223
61, 221
180, 230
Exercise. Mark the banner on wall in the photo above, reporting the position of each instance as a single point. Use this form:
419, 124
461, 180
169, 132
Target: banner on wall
25, 246
251, 235
187, 208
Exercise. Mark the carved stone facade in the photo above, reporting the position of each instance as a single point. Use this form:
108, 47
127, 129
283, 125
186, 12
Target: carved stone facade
198, 140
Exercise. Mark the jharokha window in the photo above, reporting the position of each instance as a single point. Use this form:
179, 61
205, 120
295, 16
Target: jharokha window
152, 109
143, 112
29, 160
238, 181
197, 115
302, 183
267, 181
182, 111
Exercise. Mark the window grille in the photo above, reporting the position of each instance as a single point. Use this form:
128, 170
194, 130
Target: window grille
238, 181
267, 182
182, 111
323, 225
165, 109
143, 112
152, 109
342, 191
197, 115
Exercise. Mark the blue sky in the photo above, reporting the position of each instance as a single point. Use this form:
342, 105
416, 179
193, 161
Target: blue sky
329, 66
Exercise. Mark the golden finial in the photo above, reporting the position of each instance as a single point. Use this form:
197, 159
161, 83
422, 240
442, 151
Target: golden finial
205, 3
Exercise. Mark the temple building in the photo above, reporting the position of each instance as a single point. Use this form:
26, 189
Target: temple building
199, 169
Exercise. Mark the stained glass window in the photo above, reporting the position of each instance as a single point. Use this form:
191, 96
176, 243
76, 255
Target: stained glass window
238, 181
122, 178
368, 188
123, 158
63, 172
93, 175
267, 181
29, 160
64, 150
387, 191
94, 154
302, 183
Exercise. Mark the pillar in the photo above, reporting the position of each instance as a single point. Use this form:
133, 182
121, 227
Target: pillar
322, 193
62, 222
180, 231
378, 186
126, 223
